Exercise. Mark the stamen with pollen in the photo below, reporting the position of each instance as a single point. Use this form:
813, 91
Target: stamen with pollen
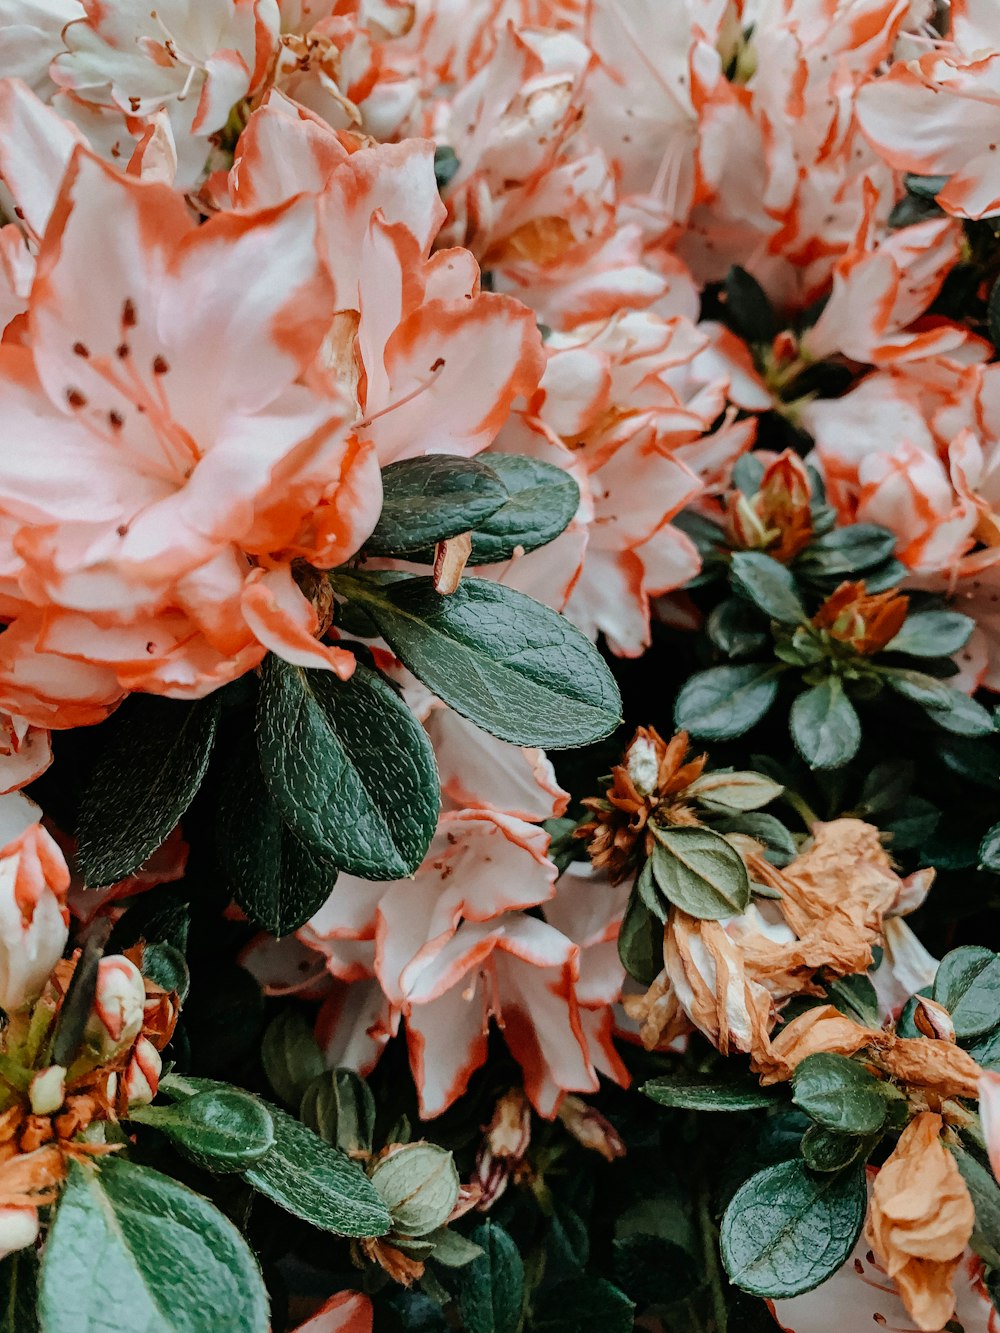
363, 422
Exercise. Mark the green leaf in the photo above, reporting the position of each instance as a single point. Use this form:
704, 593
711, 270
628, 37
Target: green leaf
985, 1192
735, 628
582, 1304
419, 1185
339, 1106
839, 1094
968, 985
144, 781
846, 551
491, 1290
780, 847
989, 850
949, 708
222, 1130
452, 1249
543, 500
350, 768
824, 725
748, 309
769, 585
131, 1248
640, 941
786, 1230
856, 997
507, 663
304, 1175
429, 499
277, 880
932, 634
167, 966
446, 164
19, 1292
700, 872
724, 702
291, 1056
826, 1150
691, 1091
735, 791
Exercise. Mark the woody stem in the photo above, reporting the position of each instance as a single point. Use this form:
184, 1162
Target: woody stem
710, 1252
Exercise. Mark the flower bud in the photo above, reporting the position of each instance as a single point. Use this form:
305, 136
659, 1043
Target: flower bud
18, 1228
503, 1149
867, 621
419, 1185
34, 919
590, 1128
933, 1019
142, 1077
119, 1003
48, 1090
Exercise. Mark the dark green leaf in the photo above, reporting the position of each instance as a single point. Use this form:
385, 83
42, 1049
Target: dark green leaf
130, 1248
846, 551
223, 1130
768, 585
932, 634
748, 473
167, 966
968, 985
700, 872
339, 1106
839, 1094
509, 664
640, 942
748, 309
304, 1175
350, 768
826, 1150
581, 1305
277, 880
824, 725
779, 844
856, 997
429, 499
76, 1006
19, 1292
736, 629
985, 1193
291, 1056
491, 1289
543, 500
725, 701
924, 187
144, 781
705, 1092
948, 707
786, 1230
446, 164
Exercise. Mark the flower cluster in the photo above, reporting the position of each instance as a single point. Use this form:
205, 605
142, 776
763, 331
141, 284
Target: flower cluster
499, 567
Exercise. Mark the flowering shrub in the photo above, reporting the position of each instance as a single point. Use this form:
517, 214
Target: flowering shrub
499, 567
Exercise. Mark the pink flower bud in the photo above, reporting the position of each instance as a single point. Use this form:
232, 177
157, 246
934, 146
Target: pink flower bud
142, 1077
34, 919
119, 1002
48, 1090
18, 1228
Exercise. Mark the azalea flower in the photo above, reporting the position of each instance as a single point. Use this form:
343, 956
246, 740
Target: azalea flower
34, 921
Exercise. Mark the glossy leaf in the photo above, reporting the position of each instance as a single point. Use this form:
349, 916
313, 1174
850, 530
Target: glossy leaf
291, 1056
786, 1229
542, 502
724, 702
222, 1129
692, 1091
839, 1094
700, 872
350, 768
769, 585
509, 664
932, 634
824, 725
339, 1106
491, 1289
431, 498
131, 1248
968, 985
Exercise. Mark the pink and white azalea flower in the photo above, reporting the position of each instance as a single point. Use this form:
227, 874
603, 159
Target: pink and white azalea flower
34, 921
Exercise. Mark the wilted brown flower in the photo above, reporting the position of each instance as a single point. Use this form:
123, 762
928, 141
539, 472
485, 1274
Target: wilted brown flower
822, 1028
777, 518
920, 1221
590, 1128
505, 1143
866, 621
651, 780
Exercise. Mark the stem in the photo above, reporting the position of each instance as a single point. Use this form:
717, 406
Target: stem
801, 807
710, 1252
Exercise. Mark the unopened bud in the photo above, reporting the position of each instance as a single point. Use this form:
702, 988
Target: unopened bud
115, 1019
48, 1090
642, 764
142, 1077
933, 1019
418, 1183
590, 1128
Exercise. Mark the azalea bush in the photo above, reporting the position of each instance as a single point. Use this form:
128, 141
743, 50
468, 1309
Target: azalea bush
499, 654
